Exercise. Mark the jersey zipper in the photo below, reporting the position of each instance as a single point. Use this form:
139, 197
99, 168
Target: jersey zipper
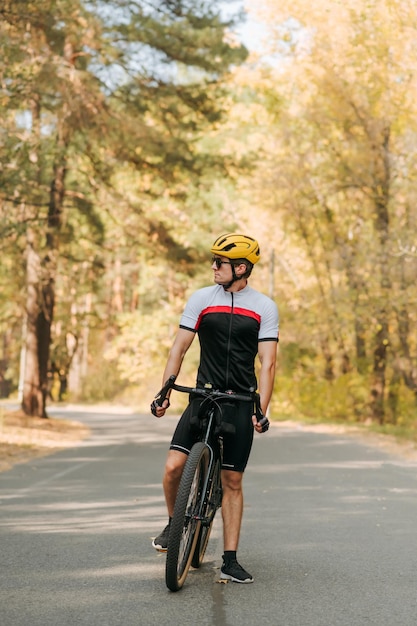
229, 339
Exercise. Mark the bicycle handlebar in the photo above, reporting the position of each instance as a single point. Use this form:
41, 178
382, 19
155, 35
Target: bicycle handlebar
207, 392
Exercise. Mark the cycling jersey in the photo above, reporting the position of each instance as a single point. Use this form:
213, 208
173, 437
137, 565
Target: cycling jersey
229, 326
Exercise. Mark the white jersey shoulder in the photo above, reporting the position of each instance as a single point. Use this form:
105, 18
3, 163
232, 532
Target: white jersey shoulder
248, 299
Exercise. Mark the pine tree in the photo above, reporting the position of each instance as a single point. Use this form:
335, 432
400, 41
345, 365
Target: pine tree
89, 90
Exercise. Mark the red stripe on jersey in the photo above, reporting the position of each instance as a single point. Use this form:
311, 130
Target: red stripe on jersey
228, 309
247, 313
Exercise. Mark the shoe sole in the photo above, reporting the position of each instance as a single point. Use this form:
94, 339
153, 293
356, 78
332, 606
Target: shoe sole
247, 581
159, 548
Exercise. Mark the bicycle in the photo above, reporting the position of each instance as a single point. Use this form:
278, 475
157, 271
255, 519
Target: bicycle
200, 492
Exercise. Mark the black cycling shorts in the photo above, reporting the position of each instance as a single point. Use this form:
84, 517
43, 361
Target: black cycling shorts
236, 447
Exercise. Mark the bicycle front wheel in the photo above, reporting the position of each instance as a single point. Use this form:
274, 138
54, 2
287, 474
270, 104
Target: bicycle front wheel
186, 523
213, 501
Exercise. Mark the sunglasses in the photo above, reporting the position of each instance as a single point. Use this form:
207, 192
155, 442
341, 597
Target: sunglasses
219, 262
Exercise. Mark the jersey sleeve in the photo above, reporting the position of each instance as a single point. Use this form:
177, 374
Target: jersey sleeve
191, 314
269, 329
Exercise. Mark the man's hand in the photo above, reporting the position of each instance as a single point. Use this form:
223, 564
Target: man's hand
159, 410
260, 425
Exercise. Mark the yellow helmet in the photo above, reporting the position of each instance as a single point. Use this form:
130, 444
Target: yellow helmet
236, 246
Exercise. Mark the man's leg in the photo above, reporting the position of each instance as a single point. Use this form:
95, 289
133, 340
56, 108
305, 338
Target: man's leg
173, 471
232, 508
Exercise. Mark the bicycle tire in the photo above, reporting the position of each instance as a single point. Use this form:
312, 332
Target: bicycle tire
185, 527
214, 499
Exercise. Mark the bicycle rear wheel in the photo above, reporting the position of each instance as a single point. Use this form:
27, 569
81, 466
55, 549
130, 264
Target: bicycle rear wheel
214, 499
185, 524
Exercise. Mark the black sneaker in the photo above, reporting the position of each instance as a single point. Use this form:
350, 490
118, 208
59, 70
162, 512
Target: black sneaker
235, 572
160, 543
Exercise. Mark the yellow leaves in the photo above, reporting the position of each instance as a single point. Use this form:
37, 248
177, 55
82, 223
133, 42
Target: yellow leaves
366, 41
338, 55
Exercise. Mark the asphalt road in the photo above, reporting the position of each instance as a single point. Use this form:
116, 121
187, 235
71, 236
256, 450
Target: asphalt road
329, 534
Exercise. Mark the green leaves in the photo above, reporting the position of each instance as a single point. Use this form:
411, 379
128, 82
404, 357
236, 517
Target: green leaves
104, 105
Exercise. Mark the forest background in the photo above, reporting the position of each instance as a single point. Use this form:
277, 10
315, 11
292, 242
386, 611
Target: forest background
135, 132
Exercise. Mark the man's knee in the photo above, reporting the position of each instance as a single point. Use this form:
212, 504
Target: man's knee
174, 464
232, 480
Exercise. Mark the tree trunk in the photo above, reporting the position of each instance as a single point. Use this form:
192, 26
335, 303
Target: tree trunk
394, 394
41, 298
406, 364
382, 222
379, 371
45, 316
360, 345
32, 397
328, 359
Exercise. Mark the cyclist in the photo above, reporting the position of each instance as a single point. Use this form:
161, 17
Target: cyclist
234, 323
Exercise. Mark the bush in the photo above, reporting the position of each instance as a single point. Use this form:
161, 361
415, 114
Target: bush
307, 397
103, 383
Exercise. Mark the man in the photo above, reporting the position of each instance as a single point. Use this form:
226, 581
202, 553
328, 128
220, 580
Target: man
234, 324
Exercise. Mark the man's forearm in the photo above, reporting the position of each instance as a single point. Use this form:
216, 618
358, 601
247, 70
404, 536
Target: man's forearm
266, 385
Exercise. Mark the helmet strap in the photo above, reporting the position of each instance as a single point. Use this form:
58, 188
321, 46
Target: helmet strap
234, 279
